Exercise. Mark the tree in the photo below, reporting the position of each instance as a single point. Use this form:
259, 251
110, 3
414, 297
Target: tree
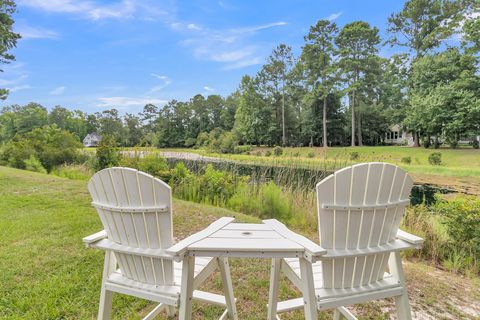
29, 117
253, 117
357, 46
445, 99
318, 57
110, 123
134, 130
8, 38
274, 77
423, 24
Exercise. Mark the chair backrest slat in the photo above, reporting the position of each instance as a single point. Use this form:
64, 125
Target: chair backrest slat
360, 207
119, 195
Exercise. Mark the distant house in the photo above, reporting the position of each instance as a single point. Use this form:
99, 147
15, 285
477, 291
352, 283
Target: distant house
92, 140
396, 135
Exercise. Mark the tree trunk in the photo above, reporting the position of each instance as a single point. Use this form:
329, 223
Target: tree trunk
325, 143
416, 139
359, 128
284, 138
353, 117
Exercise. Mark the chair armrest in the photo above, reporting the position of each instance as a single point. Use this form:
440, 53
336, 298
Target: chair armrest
94, 238
312, 250
179, 249
410, 238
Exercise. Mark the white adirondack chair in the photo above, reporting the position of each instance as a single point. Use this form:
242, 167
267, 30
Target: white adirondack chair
359, 213
136, 212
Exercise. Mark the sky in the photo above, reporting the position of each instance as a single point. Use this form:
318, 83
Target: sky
95, 55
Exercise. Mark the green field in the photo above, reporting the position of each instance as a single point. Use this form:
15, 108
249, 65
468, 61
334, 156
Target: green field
47, 273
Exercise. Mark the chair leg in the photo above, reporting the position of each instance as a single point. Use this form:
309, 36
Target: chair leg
105, 305
171, 311
228, 288
403, 307
337, 315
274, 283
186, 292
401, 302
308, 290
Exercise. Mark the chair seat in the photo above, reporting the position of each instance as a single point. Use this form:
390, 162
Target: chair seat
117, 282
387, 283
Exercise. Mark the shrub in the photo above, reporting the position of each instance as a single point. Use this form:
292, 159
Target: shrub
354, 155
311, 154
245, 200
107, 153
452, 141
462, 219
277, 151
228, 142
242, 149
435, 159
33, 164
268, 153
155, 165
475, 144
273, 202
51, 145
406, 160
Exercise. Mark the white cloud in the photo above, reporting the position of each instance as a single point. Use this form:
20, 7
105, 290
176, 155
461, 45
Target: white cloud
260, 27
125, 102
244, 63
94, 10
57, 91
165, 82
28, 32
334, 16
229, 47
9, 82
18, 88
207, 88
193, 26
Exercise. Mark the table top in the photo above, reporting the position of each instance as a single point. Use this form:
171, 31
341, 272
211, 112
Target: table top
245, 240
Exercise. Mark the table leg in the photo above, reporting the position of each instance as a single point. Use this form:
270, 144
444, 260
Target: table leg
228, 288
308, 290
186, 292
274, 283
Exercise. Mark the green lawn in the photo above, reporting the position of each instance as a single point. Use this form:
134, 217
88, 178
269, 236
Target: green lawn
47, 273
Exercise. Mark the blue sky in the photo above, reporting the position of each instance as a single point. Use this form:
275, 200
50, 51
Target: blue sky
95, 55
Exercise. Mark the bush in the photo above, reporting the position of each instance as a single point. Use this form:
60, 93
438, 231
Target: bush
245, 200
475, 144
277, 151
155, 165
107, 153
462, 219
242, 149
406, 160
354, 155
268, 153
273, 202
50, 145
311, 154
435, 159
33, 164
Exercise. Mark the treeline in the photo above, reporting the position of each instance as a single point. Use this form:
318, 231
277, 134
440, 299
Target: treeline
337, 91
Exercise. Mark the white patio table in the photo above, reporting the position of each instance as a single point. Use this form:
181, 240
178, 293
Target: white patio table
224, 239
